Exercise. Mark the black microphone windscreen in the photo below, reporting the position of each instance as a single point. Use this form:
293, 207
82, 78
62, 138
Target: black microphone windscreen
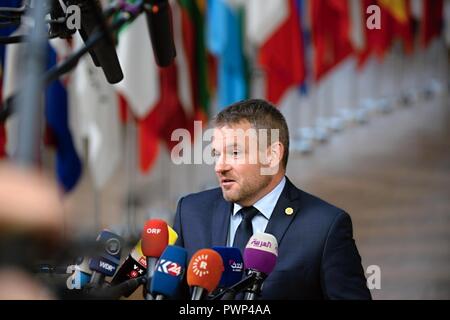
159, 20
104, 52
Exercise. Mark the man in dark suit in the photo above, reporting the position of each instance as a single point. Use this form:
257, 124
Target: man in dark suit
317, 256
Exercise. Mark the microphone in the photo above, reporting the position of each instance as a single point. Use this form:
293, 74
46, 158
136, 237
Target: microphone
173, 235
135, 264
169, 273
106, 263
233, 269
204, 272
260, 257
104, 53
155, 238
159, 21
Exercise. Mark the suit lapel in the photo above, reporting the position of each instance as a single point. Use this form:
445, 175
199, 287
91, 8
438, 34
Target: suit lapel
220, 223
280, 221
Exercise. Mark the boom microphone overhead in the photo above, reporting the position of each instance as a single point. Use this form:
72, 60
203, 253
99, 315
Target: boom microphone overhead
104, 53
159, 21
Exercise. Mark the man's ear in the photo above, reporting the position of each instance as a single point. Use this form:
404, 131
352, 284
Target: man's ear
274, 156
276, 151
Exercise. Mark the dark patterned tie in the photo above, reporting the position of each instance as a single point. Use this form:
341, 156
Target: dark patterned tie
245, 229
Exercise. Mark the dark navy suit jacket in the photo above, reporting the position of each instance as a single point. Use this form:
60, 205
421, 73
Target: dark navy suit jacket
317, 256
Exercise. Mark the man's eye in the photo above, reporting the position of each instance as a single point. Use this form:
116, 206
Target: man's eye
215, 154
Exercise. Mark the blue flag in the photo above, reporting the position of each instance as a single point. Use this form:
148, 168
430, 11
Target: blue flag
6, 31
68, 164
224, 40
306, 44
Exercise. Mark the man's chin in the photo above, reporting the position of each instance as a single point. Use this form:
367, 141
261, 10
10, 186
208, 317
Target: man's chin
229, 196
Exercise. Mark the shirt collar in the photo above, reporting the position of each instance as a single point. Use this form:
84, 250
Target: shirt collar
266, 204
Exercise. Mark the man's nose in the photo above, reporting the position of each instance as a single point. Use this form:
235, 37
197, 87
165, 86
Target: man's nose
221, 165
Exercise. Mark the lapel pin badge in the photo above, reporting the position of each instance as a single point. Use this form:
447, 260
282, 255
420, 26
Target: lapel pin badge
289, 211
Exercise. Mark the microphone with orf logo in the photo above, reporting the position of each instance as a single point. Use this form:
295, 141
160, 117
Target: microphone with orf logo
154, 239
135, 265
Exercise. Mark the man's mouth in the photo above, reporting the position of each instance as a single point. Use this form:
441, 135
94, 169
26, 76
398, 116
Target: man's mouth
227, 182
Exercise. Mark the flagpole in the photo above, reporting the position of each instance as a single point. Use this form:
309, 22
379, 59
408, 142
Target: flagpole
166, 179
423, 79
95, 193
328, 106
439, 65
397, 78
333, 121
414, 74
388, 77
131, 172
356, 96
337, 106
97, 206
419, 71
378, 78
445, 73
296, 138
306, 123
406, 81
310, 105
445, 69
321, 123
367, 91
29, 102
437, 88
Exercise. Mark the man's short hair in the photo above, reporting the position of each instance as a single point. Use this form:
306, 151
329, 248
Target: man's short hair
261, 115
